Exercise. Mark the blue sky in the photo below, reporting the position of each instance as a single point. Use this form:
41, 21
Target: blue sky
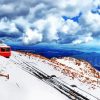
31, 22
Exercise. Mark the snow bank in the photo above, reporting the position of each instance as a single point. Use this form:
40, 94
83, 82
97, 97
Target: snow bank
55, 67
23, 86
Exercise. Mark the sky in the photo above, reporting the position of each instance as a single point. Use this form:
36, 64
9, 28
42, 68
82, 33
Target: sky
70, 22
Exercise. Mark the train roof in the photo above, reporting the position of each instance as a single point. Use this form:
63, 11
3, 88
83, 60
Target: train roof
3, 45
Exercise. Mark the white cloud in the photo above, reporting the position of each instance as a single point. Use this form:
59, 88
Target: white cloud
91, 21
32, 36
37, 12
44, 20
70, 27
96, 3
49, 27
22, 22
53, 24
7, 8
40, 24
7, 26
72, 8
84, 39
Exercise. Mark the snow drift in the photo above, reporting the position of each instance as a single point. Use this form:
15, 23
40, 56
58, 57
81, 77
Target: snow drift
70, 70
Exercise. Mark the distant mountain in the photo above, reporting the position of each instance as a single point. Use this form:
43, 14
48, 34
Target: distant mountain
92, 57
47, 52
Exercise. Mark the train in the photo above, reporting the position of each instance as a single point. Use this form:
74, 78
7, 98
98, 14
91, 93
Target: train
5, 50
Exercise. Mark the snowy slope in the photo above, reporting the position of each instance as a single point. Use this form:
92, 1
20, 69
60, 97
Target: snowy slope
81, 75
79, 66
21, 84
83, 71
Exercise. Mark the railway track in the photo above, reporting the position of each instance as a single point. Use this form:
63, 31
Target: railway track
51, 80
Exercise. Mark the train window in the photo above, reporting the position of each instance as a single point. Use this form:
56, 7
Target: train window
2, 49
7, 49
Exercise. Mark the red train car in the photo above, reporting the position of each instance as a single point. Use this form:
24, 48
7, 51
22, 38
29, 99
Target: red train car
5, 51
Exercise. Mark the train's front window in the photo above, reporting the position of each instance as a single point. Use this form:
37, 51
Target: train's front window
7, 49
2, 49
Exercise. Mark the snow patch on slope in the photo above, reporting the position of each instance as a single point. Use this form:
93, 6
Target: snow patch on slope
77, 73
23, 86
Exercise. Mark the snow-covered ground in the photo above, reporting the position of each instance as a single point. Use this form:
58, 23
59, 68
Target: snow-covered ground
24, 86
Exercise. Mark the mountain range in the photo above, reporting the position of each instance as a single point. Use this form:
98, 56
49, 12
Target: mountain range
91, 57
